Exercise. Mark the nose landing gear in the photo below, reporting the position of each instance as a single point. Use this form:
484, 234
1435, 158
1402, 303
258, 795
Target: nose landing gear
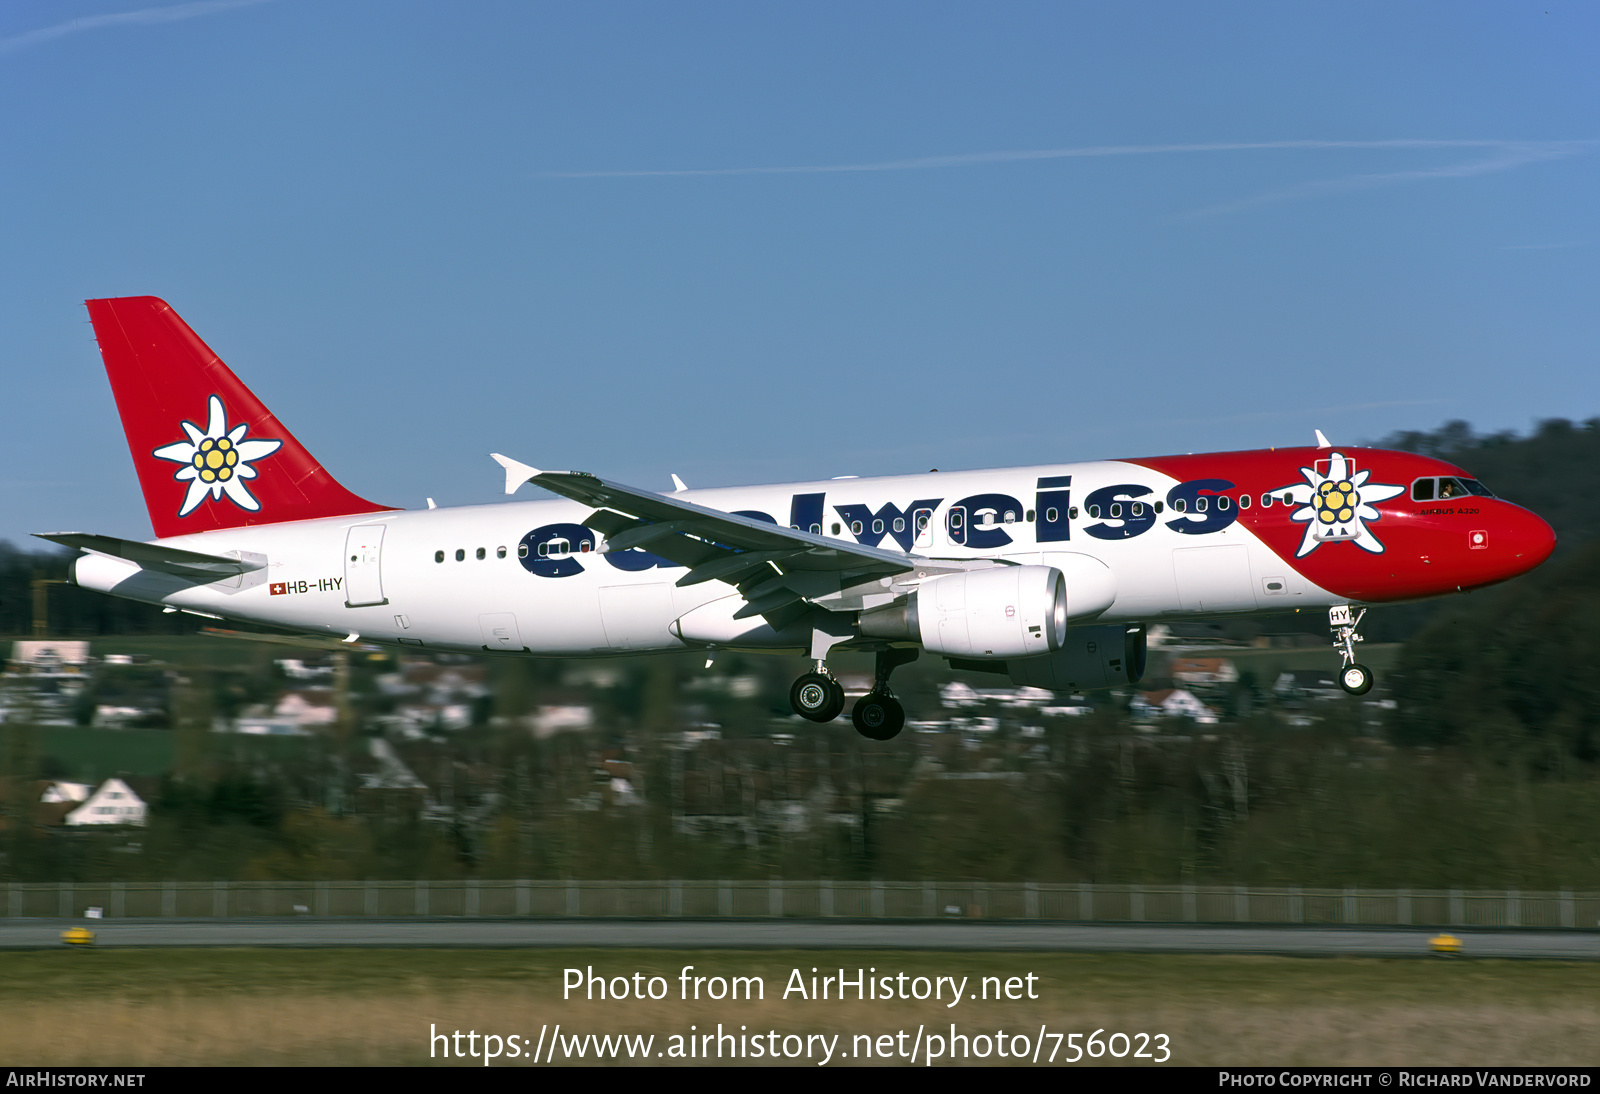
1355, 679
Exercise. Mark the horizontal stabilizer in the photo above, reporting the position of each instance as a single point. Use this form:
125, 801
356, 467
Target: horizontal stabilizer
153, 556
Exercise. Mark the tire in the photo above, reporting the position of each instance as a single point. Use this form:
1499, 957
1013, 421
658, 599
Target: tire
816, 697
838, 698
1355, 679
878, 717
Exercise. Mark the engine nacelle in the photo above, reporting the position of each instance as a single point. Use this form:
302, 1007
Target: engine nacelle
1090, 658
1007, 611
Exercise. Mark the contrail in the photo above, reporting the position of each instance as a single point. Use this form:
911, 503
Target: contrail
172, 14
1508, 154
1504, 156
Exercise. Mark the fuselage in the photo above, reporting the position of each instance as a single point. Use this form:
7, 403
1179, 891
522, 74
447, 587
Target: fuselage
1181, 536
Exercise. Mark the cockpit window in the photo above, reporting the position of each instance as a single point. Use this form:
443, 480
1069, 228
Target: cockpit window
1448, 486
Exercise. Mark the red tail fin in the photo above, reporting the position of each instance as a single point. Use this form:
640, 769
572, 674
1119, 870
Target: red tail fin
209, 455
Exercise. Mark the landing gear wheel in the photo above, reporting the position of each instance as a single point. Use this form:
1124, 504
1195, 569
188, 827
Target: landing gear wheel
816, 697
1355, 679
878, 717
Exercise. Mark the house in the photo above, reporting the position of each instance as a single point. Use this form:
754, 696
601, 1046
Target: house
1203, 670
49, 658
1172, 703
295, 714
311, 707
957, 693
60, 791
296, 669
113, 803
553, 719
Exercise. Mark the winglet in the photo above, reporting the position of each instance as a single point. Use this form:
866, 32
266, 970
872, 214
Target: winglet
677, 484
516, 473
1322, 442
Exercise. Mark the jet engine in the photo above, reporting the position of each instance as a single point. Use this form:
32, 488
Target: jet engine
1007, 611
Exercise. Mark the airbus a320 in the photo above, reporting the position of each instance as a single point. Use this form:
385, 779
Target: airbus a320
1047, 574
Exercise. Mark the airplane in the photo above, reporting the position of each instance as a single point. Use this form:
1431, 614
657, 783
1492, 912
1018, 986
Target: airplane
1049, 575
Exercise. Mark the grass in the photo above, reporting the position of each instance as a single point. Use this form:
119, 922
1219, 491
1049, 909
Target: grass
164, 1007
94, 754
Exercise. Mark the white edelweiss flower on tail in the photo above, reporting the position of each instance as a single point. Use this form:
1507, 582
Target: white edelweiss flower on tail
216, 462
1336, 505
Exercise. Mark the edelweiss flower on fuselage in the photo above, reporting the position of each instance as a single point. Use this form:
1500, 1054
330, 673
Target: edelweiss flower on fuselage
216, 462
1335, 505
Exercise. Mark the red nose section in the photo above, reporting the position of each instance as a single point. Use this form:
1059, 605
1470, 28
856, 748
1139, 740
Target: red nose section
1525, 540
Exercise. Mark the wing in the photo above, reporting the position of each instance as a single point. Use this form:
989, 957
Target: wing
778, 570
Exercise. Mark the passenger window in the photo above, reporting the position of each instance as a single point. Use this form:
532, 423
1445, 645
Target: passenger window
1422, 490
522, 550
1288, 499
438, 556
460, 555
1094, 512
1159, 506
1200, 505
1222, 504
1244, 501
1051, 516
1029, 516
877, 527
482, 554
899, 524
1072, 514
1010, 518
835, 527
1181, 505
1116, 510
499, 552
855, 528
816, 529
922, 522
1266, 500
1138, 508
585, 546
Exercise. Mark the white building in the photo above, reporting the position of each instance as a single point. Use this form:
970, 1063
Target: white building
49, 658
114, 803
60, 791
1172, 703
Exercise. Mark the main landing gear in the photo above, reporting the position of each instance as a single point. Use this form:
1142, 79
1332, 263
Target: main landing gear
1355, 679
817, 696
877, 715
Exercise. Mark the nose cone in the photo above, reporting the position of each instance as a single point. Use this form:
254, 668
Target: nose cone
1526, 538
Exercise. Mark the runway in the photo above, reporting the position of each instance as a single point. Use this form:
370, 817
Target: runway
796, 934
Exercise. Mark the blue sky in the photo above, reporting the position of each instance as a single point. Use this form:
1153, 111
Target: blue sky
766, 242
